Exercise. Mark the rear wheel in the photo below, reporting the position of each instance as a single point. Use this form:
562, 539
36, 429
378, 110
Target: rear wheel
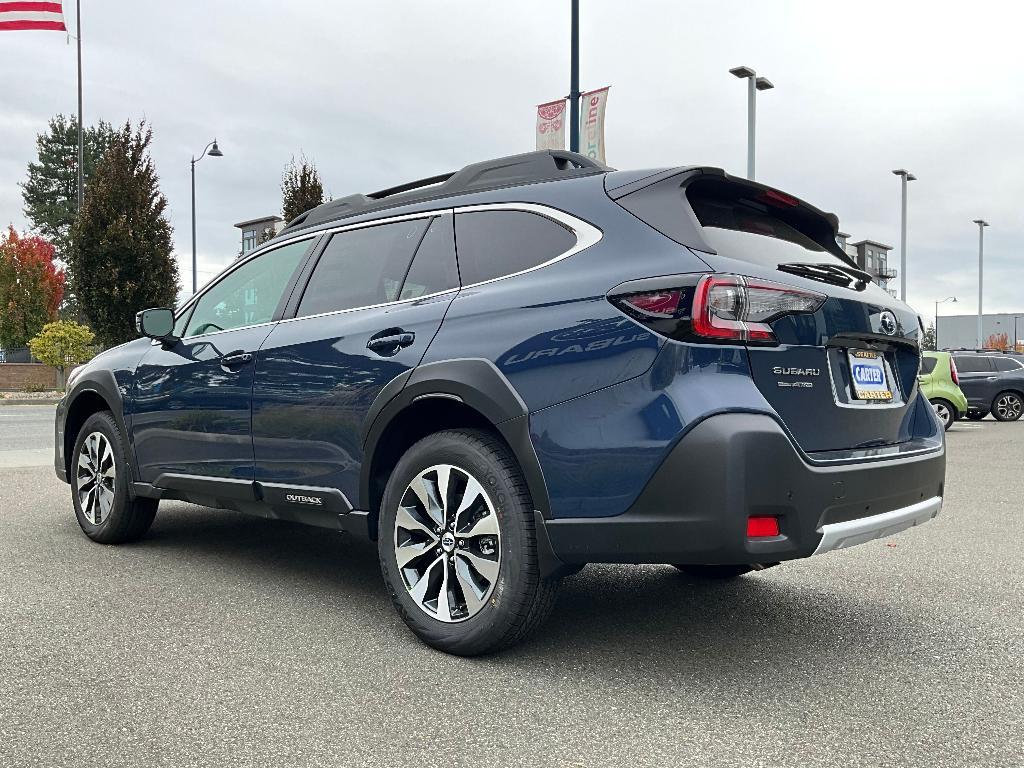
715, 572
945, 411
976, 415
457, 545
99, 484
1007, 406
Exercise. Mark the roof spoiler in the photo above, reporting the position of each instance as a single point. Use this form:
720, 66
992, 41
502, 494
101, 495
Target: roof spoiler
648, 197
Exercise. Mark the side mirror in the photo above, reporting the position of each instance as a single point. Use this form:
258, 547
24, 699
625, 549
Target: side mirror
156, 323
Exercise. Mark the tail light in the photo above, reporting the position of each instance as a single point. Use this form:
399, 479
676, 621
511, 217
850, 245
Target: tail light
953, 372
726, 308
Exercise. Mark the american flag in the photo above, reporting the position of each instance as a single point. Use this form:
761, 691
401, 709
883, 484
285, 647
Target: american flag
31, 15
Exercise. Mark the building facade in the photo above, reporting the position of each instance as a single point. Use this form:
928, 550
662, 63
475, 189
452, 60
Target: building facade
871, 256
961, 331
253, 231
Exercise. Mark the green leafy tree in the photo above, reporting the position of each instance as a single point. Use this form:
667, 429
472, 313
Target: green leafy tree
31, 287
121, 247
50, 192
928, 340
301, 188
62, 344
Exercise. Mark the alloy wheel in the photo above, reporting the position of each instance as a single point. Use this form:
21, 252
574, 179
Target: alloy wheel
447, 543
943, 412
95, 477
1009, 407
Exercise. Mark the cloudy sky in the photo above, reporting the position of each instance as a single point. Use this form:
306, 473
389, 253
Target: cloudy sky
384, 92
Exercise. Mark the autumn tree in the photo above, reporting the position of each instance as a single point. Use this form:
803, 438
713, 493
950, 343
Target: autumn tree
997, 341
301, 188
31, 287
121, 248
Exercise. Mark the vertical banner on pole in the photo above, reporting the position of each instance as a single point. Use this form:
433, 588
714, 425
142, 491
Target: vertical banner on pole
551, 125
592, 123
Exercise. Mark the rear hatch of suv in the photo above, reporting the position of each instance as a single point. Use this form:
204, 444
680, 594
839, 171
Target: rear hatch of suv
834, 354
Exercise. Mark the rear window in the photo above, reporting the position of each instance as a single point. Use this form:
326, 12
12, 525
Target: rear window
362, 267
494, 244
973, 363
759, 226
928, 364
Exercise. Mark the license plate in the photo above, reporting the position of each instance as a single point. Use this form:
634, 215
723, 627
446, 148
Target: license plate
867, 370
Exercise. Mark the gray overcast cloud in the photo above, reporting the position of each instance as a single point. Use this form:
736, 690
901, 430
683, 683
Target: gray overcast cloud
380, 93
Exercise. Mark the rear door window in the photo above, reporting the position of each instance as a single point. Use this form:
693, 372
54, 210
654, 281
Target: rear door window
973, 363
927, 365
434, 269
362, 267
493, 244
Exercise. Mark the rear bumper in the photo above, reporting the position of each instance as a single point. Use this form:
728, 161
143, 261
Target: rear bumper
731, 466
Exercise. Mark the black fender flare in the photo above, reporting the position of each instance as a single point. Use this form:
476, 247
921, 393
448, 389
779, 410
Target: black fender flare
101, 383
477, 383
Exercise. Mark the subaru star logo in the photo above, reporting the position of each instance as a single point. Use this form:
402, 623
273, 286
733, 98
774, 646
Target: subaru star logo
887, 323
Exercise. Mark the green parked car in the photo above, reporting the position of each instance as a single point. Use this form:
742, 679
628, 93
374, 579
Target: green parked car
941, 385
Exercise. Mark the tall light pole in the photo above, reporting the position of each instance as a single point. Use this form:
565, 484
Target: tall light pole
212, 150
981, 263
754, 84
905, 176
574, 78
948, 298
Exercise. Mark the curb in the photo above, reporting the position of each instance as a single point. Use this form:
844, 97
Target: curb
12, 401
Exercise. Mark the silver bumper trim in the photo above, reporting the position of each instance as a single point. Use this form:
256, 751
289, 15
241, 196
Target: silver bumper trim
854, 532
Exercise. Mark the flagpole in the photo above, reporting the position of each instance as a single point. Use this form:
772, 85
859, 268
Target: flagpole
81, 130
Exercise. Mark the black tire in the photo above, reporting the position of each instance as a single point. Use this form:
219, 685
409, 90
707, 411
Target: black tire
127, 519
945, 411
520, 599
1007, 406
976, 415
714, 572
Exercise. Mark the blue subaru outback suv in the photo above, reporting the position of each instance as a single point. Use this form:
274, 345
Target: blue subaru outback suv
505, 373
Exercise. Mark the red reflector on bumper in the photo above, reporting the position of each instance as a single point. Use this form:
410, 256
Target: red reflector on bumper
759, 527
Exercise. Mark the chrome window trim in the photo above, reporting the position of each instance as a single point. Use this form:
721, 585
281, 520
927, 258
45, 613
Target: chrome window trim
586, 235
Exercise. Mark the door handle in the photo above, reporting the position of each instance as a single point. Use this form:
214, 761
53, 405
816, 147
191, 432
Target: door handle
235, 359
388, 342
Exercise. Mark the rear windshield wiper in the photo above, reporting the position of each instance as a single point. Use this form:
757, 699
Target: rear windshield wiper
833, 274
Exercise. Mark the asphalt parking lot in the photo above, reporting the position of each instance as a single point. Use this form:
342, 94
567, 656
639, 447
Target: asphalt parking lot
231, 641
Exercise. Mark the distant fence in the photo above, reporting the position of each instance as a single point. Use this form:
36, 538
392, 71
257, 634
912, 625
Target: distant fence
16, 355
20, 371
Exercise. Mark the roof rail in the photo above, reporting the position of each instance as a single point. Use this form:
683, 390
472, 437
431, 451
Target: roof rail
544, 165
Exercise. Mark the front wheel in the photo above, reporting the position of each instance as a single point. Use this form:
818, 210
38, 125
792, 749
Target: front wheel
945, 411
457, 545
1007, 406
99, 485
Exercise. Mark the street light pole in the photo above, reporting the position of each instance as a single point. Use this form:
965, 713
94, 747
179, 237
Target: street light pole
574, 79
905, 176
943, 301
981, 263
214, 151
754, 84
